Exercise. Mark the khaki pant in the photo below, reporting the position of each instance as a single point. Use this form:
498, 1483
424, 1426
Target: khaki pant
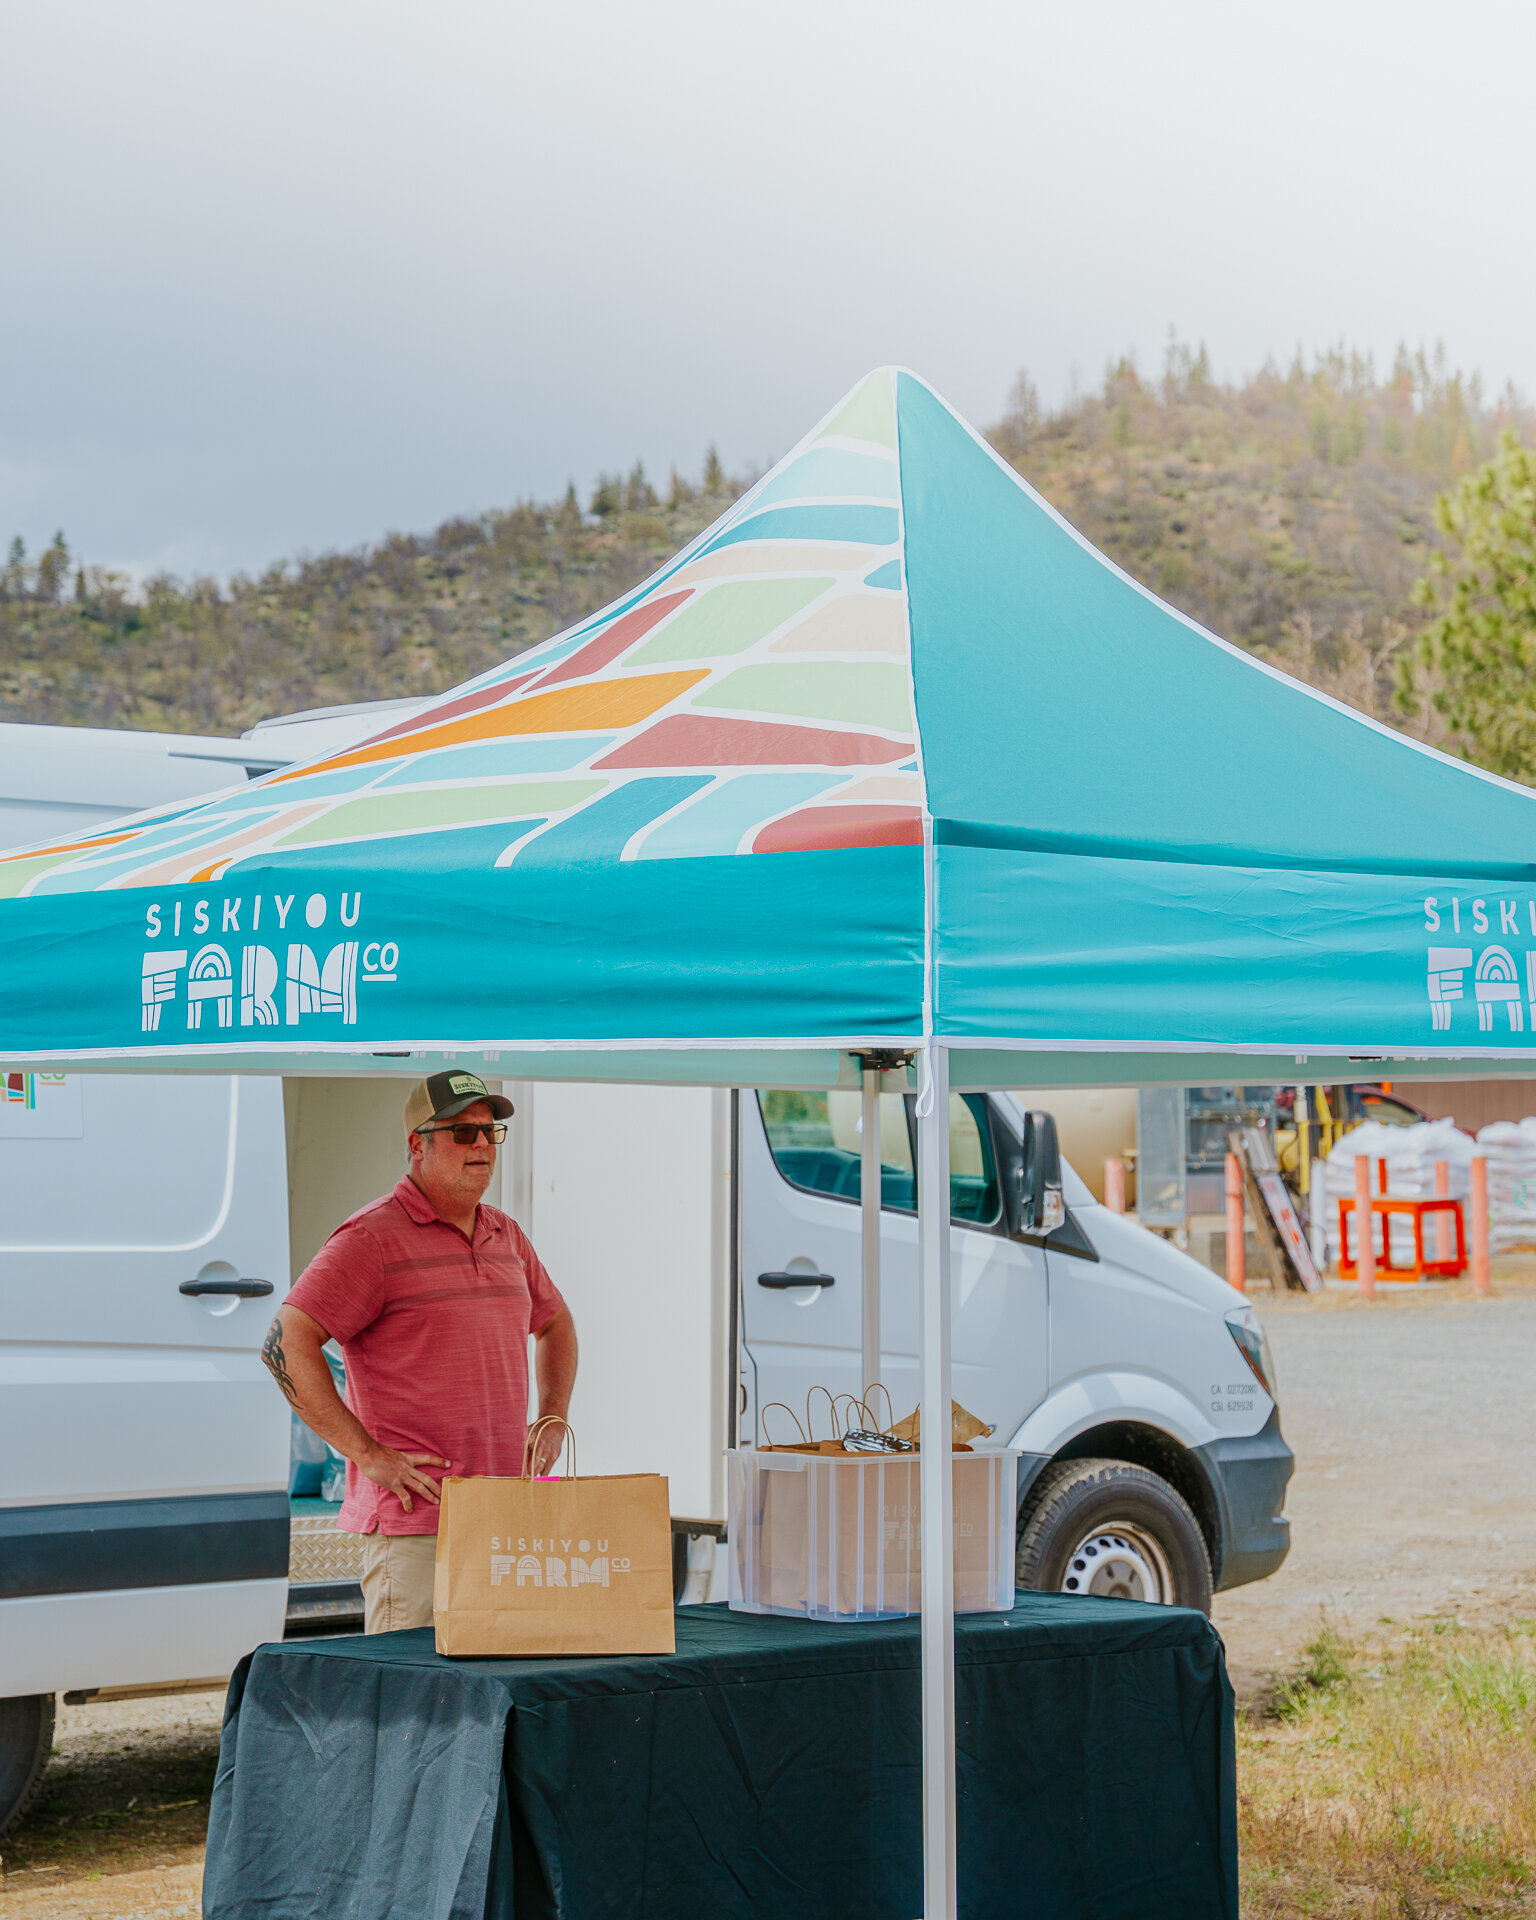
397, 1580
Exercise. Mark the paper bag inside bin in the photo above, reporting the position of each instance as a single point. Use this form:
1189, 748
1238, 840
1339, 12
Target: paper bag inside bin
889, 1533
964, 1426
843, 1538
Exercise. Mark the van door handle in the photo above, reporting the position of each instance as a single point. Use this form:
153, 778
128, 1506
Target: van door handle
245, 1289
796, 1280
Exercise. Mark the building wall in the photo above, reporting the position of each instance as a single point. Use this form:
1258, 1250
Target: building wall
1470, 1103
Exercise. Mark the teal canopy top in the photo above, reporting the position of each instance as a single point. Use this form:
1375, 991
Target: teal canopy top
887, 752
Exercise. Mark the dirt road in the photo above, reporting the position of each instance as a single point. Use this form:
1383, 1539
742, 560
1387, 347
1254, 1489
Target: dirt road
1414, 1493
1415, 1484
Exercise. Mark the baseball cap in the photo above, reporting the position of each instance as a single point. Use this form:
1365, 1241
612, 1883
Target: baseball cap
441, 1095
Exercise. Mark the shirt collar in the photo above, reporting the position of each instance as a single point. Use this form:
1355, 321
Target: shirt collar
415, 1202
422, 1211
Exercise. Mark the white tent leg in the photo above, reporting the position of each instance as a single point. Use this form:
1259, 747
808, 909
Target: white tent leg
936, 1491
869, 1190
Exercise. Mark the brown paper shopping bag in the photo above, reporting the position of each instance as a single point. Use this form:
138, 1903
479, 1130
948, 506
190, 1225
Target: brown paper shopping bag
882, 1531
534, 1566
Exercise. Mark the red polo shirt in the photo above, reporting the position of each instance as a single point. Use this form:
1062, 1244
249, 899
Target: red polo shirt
434, 1331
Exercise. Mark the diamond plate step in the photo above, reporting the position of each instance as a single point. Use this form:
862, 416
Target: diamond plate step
317, 1551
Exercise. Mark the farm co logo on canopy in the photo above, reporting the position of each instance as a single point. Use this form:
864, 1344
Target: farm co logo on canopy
237, 978
1496, 973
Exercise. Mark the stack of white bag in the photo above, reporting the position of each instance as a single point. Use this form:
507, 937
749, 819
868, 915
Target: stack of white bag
1511, 1149
1410, 1154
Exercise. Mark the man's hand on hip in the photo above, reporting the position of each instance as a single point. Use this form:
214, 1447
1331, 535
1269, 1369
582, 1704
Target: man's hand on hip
302, 1372
401, 1475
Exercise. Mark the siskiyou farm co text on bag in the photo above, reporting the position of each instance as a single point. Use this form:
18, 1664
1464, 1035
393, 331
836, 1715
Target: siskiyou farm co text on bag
551, 1566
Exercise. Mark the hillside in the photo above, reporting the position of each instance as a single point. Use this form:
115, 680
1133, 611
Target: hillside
412, 614
1290, 513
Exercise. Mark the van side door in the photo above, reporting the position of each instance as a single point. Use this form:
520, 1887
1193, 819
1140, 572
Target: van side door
801, 1262
143, 1447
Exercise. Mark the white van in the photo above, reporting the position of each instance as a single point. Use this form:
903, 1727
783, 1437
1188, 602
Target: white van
708, 1242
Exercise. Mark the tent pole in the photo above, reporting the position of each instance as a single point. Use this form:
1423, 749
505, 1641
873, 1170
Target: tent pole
935, 1485
869, 1210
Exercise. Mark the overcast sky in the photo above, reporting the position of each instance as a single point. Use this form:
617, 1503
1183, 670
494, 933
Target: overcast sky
282, 276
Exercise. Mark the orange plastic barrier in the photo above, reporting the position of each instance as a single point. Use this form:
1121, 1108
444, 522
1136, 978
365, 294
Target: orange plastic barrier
1416, 1210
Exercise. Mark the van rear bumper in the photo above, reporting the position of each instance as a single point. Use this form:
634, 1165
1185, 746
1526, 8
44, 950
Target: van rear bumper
1249, 1478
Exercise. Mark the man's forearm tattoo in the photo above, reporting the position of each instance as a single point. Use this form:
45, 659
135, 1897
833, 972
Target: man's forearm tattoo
276, 1363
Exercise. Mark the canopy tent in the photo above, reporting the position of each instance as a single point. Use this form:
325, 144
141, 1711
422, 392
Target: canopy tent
888, 751
887, 758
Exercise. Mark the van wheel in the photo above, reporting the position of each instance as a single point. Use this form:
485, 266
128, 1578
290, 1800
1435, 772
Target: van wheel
26, 1740
1103, 1527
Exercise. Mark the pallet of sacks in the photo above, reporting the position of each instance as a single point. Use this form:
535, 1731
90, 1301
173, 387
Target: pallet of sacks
1510, 1147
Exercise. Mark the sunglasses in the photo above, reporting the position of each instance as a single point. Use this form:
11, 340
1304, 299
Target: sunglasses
467, 1132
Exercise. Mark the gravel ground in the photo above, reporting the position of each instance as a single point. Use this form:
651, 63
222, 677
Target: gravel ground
1414, 1494
117, 1831
1415, 1483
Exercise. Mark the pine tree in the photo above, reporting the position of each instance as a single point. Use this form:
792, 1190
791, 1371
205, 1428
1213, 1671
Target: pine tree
52, 569
1482, 647
714, 474
639, 495
1024, 411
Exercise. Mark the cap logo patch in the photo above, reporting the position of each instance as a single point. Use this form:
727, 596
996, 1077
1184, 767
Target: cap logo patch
465, 1083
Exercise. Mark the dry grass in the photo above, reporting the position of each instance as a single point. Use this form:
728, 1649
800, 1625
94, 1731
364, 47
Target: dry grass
1395, 1777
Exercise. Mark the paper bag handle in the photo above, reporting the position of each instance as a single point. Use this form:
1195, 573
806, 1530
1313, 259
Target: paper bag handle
810, 1424
846, 1409
874, 1387
763, 1420
529, 1445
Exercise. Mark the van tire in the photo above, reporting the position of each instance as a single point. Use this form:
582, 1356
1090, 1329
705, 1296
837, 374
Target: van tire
26, 1740
1102, 1526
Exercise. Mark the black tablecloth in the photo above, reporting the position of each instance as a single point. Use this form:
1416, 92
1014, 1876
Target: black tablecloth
770, 1767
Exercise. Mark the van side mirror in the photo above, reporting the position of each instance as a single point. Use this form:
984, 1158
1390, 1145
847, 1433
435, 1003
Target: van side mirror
1040, 1207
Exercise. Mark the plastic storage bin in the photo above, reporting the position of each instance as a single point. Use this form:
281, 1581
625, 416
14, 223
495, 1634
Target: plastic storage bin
835, 1536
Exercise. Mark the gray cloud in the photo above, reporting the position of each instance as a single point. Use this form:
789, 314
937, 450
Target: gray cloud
283, 277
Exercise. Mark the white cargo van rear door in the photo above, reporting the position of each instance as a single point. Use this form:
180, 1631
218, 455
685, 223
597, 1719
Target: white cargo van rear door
143, 1448
801, 1263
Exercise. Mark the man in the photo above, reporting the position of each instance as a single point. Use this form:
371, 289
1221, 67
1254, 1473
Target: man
432, 1296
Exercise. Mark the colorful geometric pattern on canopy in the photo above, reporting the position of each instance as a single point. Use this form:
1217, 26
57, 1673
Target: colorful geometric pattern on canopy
777, 641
